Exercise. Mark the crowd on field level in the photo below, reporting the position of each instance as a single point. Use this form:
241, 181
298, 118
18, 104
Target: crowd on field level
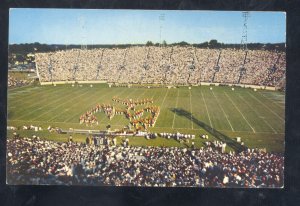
36, 161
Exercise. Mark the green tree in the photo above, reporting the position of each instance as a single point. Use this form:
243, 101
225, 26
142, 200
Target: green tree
213, 43
183, 43
149, 43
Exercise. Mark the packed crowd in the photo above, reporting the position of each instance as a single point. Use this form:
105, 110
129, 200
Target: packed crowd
35, 161
163, 65
13, 82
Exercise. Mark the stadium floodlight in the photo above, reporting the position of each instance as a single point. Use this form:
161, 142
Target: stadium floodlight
245, 15
82, 24
161, 19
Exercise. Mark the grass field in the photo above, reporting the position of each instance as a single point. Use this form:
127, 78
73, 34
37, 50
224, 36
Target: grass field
257, 117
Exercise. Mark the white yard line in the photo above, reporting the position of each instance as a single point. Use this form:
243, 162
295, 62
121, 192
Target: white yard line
42, 97
266, 106
239, 131
275, 132
191, 109
136, 98
53, 109
40, 91
240, 112
39, 108
211, 125
223, 111
162, 103
164, 98
175, 109
73, 123
274, 102
80, 103
121, 93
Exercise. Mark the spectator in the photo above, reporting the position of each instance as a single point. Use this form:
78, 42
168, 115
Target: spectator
35, 161
163, 65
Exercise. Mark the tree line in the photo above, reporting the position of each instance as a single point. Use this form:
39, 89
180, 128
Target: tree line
37, 47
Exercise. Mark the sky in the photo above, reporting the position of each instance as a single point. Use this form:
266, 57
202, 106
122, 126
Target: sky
96, 26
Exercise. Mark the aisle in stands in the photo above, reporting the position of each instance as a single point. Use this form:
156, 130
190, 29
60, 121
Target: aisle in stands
163, 65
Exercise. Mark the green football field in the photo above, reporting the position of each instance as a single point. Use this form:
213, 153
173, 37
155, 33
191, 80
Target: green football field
257, 117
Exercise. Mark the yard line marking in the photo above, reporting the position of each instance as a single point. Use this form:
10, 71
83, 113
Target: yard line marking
211, 125
274, 102
90, 105
266, 106
73, 123
239, 111
191, 109
223, 111
257, 114
11, 94
270, 126
40, 91
39, 108
175, 109
154, 94
28, 98
43, 97
136, 98
164, 98
76, 97
121, 93
162, 104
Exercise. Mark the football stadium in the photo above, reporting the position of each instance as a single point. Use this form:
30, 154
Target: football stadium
149, 115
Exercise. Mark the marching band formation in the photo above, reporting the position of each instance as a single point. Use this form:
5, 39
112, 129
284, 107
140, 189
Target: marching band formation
135, 116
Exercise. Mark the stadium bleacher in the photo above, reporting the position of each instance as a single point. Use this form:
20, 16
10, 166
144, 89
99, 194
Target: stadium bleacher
163, 65
35, 161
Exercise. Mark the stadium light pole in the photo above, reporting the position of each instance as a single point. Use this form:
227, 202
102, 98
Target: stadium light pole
243, 46
82, 23
161, 19
245, 15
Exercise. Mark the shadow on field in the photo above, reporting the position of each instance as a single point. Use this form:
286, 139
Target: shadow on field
218, 135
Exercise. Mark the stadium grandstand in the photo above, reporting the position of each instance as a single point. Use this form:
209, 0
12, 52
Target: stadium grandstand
106, 159
164, 65
181, 114
35, 161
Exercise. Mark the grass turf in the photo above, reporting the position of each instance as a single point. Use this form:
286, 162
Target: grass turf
257, 117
